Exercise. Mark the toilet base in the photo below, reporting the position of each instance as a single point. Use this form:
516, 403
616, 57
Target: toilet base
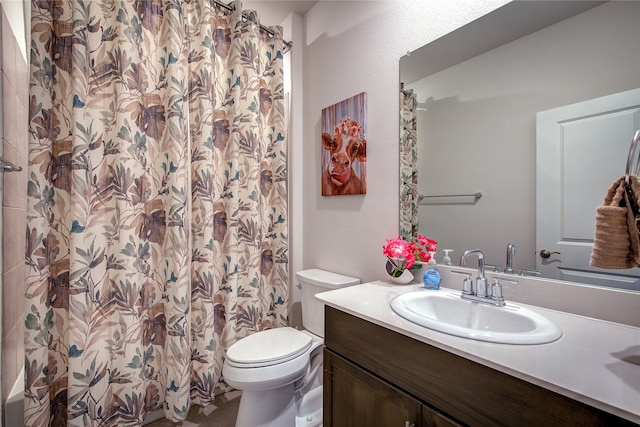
309, 408
273, 408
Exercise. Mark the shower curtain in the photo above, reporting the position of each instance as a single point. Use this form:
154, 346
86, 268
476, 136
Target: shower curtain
408, 166
157, 218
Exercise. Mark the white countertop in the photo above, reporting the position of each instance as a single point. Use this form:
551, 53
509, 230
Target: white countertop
595, 362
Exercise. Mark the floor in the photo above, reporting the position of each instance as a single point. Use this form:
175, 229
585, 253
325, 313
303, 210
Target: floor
220, 414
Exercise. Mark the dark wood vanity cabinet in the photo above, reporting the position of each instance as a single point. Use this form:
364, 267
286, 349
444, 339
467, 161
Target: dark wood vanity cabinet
375, 377
358, 398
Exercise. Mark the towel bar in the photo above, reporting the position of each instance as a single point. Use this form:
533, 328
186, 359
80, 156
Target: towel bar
476, 195
632, 149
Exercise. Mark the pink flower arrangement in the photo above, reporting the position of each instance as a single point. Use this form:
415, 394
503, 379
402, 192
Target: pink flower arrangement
403, 254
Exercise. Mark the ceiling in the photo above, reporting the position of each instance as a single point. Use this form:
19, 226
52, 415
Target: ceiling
273, 12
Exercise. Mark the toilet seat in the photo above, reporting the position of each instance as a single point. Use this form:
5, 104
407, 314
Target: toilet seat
269, 347
275, 366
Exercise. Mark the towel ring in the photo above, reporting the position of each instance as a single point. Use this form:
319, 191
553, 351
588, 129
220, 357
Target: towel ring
632, 150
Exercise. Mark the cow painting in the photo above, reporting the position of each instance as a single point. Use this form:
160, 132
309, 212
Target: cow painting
344, 146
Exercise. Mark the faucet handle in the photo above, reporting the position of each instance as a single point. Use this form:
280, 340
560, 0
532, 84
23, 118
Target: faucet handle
496, 290
467, 284
493, 268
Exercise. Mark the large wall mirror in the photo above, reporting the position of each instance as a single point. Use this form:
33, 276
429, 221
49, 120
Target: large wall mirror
520, 121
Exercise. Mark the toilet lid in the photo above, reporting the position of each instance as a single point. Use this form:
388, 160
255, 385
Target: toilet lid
269, 347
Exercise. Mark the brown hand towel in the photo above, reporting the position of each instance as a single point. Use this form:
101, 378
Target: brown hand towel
613, 246
633, 217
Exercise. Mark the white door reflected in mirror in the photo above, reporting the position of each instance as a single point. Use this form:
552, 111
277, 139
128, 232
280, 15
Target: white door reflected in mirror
581, 149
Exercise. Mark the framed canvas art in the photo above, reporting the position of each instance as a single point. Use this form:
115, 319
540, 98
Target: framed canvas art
344, 147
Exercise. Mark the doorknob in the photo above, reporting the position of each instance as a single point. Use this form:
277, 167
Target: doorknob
545, 253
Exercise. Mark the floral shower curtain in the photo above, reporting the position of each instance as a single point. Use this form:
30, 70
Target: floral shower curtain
157, 219
408, 166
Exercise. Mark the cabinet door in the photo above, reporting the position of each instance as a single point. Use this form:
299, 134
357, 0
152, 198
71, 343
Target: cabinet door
355, 398
433, 418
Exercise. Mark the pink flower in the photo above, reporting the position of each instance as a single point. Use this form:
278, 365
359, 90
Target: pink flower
403, 254
429, 244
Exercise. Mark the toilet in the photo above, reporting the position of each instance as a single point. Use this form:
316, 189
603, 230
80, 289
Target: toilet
279, 371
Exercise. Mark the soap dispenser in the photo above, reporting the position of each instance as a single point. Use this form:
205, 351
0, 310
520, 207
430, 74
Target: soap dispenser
431, 277
432, 258
446, 260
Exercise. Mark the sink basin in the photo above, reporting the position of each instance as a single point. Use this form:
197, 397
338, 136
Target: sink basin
447, 312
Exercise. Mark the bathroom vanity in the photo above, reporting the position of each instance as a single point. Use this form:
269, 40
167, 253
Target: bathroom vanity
382, 370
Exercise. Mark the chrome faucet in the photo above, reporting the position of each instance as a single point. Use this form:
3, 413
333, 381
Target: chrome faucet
511, 250
481, 281
481, 294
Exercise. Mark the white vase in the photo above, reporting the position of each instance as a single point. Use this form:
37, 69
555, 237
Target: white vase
405, 278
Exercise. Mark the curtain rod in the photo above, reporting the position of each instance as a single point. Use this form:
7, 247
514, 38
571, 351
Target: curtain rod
287, 45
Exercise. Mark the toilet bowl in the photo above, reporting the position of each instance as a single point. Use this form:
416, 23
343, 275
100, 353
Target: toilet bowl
279, 371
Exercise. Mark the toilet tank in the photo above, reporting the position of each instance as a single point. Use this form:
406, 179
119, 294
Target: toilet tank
314, 281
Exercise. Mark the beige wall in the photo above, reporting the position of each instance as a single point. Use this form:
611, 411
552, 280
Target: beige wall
14, 203
354, 47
